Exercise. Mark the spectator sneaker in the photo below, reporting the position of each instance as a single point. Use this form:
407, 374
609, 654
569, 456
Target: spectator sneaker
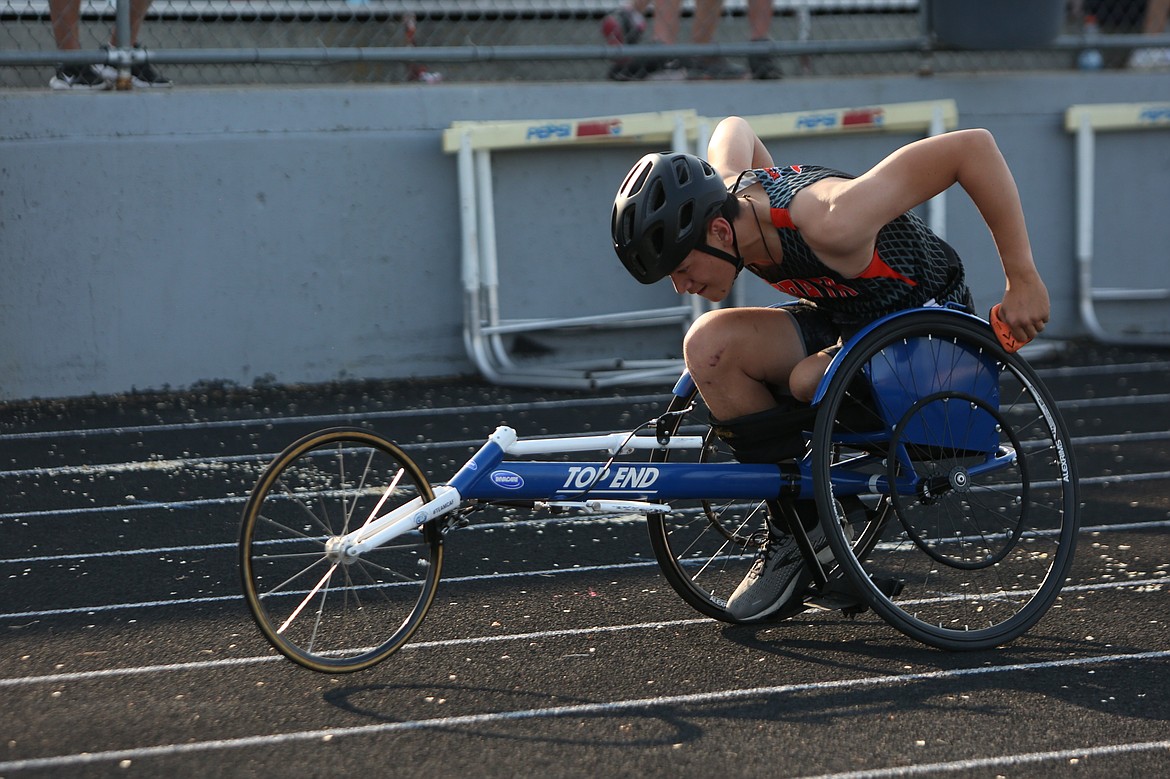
142, 76
763, 66
624, 27
715, 69
79, 77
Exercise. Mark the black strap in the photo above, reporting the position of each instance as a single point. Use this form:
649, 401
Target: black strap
707, 248
735, 259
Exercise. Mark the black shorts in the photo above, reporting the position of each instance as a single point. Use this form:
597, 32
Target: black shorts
820, 332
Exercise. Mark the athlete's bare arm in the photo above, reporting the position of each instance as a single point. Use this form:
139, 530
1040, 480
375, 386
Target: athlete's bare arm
734, 147
840, 218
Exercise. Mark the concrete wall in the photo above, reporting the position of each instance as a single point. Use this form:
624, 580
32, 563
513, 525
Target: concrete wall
304, 235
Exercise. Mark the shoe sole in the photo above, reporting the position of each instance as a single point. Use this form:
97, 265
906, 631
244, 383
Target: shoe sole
65, 86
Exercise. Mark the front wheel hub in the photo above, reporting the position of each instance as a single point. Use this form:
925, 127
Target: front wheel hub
338, 551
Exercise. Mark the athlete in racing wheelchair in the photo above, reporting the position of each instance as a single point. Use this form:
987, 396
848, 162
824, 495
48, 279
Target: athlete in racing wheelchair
847, 248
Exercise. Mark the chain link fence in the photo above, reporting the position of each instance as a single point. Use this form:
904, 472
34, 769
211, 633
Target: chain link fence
203, 42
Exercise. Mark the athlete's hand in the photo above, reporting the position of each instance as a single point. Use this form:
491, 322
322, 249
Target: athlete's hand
1025, 309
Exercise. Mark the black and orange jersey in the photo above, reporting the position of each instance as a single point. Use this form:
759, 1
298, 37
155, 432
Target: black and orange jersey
911, 266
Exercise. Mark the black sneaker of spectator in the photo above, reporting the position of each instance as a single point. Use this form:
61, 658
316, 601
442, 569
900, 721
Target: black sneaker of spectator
763, 66
715, 69
79, 77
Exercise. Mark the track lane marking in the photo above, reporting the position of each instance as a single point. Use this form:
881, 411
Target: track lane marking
526, 523
1000, 760
453, 642
577, 710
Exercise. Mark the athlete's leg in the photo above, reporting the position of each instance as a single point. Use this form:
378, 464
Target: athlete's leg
738, 355
742, 360
807, 374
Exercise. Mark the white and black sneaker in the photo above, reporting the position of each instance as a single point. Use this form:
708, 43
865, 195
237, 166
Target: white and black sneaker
79, 77
142, 76
773, 577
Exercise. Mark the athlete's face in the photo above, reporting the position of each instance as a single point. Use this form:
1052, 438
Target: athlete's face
704, 275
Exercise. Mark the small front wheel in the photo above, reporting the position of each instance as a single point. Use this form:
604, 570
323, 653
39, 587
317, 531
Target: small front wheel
321, 609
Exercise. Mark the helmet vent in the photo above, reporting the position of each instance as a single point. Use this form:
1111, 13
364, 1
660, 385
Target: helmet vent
686, 218
657, 237
625, 226
657, 196
634, 182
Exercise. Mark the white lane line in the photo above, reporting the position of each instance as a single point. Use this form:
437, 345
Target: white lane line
1117, 400
222, 598
1132, 526
447, 580
545, 522
145, 506
553, 522
1073, 371
1026, 758
524, 523
578, 710
200, 665
452, 642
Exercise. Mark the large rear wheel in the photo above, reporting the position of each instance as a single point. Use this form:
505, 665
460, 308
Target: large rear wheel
929, 412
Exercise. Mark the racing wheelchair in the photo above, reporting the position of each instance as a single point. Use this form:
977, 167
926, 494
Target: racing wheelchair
940, 467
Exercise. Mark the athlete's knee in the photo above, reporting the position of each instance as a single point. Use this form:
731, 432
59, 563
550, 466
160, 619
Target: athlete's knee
707, 342
802, 388
806, 377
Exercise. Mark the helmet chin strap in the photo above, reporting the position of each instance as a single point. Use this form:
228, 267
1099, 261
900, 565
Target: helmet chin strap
735, 259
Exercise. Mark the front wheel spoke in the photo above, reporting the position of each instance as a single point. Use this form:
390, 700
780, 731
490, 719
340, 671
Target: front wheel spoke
348, 510
280, 587
366, 563
300, 607
385, 496
283, 527
318, 521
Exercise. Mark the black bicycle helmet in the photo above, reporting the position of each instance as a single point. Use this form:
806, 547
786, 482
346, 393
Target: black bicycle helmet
661, 213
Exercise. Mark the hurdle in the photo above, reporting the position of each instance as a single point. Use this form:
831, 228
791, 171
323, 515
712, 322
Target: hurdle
484, 326
1085, 121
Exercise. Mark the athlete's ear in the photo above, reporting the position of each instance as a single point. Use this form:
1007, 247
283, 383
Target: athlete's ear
718, 229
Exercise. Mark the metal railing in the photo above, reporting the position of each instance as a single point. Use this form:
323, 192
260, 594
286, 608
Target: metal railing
339, 41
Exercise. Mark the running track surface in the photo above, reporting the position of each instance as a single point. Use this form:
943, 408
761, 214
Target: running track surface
554, 648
